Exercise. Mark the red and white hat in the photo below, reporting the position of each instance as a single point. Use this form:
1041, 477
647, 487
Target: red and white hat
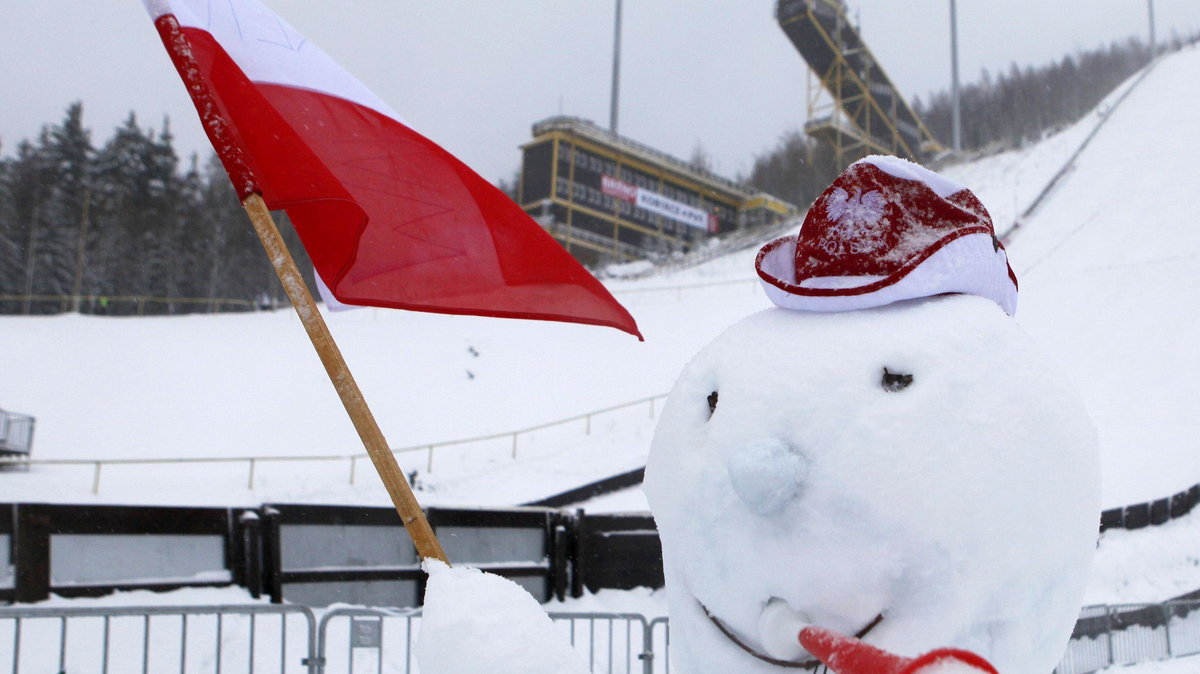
888, 230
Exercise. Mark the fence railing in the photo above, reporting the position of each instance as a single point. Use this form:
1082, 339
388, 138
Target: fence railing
285, 639
353, 640
121, 305
1158, 511
511, 438
138, 305
288, 638
367, 640
1128, 634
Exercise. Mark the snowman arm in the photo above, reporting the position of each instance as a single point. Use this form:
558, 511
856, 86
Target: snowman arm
848, 655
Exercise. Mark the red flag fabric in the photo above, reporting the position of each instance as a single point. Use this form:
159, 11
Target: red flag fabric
388, 217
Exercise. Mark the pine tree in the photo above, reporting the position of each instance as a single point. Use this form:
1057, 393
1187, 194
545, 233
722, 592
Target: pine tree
232, 263
165, 237
27, 175
11, 262
70, 155
797, 170
135, 203
45, 192
188, 254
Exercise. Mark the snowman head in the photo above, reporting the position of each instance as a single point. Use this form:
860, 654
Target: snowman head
873, 471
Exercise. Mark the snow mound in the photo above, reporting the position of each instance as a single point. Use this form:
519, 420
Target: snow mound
480, 623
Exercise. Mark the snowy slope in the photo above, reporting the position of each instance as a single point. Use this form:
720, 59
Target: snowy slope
1110, 283
250, 385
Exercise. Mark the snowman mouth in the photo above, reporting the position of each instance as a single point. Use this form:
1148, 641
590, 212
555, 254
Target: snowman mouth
810, 663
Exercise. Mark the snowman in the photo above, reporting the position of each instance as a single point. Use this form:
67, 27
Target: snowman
884, 460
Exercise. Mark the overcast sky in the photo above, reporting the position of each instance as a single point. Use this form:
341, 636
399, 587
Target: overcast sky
473, 75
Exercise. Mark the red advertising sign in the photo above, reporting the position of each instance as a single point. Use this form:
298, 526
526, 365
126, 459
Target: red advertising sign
620, 189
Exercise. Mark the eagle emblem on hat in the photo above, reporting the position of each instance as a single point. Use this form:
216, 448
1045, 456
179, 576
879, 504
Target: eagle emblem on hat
856, 221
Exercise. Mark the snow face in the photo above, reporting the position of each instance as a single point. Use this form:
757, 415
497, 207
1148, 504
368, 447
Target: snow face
960, 507
481, 623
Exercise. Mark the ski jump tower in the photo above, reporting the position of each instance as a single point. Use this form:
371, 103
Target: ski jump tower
867, 114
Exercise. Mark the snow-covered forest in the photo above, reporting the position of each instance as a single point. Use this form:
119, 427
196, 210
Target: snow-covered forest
126, 218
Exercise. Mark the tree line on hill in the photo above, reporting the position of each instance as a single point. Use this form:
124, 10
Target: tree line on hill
100, 229
998, 112
124, 228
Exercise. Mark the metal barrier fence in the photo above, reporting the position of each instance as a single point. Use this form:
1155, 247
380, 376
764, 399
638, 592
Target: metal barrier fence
274, 638
616, 643
1128, 634
353, 640
357, 641
125, 640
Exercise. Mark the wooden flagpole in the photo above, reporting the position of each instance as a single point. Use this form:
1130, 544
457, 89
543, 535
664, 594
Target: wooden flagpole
347, 389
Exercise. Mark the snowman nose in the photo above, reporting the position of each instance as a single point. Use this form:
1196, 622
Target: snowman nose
766, 474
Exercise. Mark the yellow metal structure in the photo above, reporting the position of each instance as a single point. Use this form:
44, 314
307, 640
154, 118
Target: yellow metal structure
867, 114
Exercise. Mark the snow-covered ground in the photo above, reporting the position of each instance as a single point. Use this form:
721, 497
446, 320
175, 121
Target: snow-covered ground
1104, 275
1109, 286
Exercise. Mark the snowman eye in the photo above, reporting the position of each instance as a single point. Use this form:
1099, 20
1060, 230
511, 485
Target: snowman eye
712, 403
895, 381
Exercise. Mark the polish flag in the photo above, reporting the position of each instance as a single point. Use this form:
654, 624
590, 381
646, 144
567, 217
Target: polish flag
388, 217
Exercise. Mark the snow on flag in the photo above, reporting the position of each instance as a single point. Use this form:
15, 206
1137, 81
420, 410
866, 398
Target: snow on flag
388, 217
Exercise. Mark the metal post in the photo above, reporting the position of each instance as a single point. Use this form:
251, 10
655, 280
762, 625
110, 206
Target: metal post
272, 551
1166, 612
578, 552
647, 656
146, 644
1108, 631
252, 575
1153, 37
107, 642
616, 72
956, 119
62, 644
